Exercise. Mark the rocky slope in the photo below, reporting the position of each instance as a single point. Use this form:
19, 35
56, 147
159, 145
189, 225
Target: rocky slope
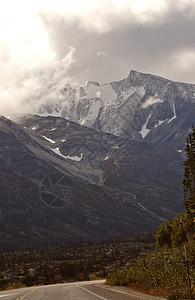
101, 160
61, 181
140, 107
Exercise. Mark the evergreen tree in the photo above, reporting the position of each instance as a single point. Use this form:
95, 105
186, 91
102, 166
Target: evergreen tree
189, 174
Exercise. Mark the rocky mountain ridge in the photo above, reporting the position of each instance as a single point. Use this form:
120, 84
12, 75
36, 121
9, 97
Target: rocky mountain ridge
140, 107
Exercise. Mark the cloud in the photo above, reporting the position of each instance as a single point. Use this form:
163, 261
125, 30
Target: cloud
29, 89
31, 71
46, 44
134, 36
101, 53
146, 45
151, 100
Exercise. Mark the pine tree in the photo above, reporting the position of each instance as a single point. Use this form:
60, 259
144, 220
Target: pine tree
189, 174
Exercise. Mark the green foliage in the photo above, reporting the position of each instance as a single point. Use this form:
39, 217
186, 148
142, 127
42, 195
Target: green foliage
15, 285
189, 174
162, 270
164, 233
170, 233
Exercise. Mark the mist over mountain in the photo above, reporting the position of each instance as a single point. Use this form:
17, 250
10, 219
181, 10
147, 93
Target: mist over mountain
140, 107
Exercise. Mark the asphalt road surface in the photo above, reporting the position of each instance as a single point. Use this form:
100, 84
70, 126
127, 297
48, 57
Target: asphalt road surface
88, 290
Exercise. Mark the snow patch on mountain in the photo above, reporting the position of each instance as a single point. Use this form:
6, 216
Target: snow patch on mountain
144, 131
51, 141
93, 112
75, 158
174, 113
103, 92
58, 152
140, 205
96, 97
159, 123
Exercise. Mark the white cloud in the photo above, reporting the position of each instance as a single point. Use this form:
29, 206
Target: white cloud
151, 101
30, 69
33, 61
148, 10
29, 89
184, 60
101, 53
29, 66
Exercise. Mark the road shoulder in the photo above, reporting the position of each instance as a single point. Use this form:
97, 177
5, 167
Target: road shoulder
128, 292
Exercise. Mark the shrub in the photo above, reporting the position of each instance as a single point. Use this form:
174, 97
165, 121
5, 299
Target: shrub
163, 270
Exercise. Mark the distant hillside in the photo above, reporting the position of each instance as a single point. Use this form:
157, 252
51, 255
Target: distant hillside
61, 181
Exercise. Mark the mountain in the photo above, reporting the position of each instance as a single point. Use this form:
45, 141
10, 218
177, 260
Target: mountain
62, 181
142, 107
100, 161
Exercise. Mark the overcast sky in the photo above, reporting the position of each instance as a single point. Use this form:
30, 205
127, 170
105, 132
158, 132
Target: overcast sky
45, 44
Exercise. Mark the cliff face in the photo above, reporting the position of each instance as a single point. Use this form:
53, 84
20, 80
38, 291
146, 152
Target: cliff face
140, 107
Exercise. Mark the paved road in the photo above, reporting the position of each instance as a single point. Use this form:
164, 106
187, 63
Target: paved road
89, 290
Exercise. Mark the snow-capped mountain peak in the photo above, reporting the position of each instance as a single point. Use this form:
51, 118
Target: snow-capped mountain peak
136, 107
